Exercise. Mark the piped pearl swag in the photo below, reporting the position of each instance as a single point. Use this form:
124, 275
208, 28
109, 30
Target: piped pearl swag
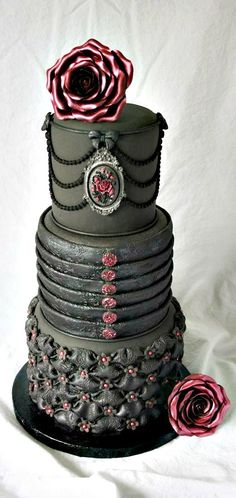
116, 153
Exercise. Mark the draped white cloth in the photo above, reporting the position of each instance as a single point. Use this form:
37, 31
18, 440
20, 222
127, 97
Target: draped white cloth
183, 52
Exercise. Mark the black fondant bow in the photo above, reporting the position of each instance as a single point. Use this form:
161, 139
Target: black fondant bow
109, 138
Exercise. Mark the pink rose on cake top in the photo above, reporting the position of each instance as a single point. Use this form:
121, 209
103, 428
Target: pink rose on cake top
89, 83
197, 405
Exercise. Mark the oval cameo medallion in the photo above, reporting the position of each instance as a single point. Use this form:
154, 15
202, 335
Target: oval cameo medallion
104, 182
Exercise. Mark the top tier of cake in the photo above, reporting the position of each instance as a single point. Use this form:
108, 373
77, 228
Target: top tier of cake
104, 177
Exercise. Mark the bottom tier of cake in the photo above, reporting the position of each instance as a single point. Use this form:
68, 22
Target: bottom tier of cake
92, 387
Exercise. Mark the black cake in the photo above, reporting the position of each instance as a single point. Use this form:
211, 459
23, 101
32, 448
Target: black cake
105, 334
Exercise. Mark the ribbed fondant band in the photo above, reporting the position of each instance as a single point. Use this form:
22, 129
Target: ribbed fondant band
122, 285
93, 271
94, 299
83, 296
85, 328
102, 345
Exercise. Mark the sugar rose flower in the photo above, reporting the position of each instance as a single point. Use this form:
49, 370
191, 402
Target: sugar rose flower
197, 406
104, 186
89, 83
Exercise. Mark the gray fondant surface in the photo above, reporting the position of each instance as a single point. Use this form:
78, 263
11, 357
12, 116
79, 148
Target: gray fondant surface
71, 243
133, 117
138, 137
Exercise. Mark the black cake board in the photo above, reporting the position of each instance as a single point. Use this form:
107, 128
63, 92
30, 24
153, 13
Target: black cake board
47, 431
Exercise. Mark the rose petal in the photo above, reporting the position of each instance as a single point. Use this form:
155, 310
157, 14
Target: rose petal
173, 406
66, 60
186, 398
183, 428
68, 75
57, 96
127, 65
216, 389
91, 116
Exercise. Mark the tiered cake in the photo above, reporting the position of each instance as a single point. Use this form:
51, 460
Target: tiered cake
104, 334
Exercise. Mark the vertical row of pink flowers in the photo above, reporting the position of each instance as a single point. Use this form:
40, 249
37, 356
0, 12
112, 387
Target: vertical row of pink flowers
109, 316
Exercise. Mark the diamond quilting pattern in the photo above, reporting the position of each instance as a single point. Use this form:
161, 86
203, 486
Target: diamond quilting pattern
76, 386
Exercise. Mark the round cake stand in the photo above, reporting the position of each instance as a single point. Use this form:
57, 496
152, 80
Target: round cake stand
44, 429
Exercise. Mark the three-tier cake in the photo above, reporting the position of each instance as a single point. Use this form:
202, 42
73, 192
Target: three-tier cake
105, 334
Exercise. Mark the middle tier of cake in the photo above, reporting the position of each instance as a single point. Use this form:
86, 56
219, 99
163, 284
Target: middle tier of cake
105, 288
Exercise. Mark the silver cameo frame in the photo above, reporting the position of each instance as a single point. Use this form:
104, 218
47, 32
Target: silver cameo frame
103, 158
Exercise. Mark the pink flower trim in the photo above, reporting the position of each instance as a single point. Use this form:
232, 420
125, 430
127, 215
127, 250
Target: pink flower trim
109, 289
109, 259
108, 275
109, 302
197, 405
109, 317
108, 333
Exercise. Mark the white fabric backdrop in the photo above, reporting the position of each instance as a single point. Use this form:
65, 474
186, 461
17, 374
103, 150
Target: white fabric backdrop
183, 53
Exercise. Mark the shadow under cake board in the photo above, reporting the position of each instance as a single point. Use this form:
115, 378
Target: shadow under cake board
47, 431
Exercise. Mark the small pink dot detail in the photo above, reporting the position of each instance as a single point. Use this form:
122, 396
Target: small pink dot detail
109, 317
152, 378
108, 275
109, 411
109, 302
49, 410
84, 397
83, 374
108, 288
108, 333
109, 259
104, 359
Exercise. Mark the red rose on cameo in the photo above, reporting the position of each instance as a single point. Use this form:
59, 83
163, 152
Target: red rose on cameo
105, 186
197, 406
89, 83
